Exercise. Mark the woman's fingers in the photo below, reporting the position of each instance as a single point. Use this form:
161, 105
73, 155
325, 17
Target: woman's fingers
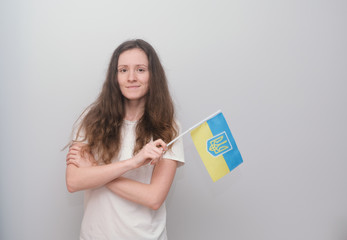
78, 158
156, 151
74, 162
151, 153
160, 144
72, 154
71, 157
75, 148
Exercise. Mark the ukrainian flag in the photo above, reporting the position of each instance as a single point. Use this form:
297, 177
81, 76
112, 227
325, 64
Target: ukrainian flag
216, 146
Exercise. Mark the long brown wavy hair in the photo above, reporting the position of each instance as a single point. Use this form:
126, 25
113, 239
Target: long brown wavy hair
104, 118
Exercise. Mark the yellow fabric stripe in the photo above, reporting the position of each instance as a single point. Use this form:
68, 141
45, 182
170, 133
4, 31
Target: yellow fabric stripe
216, 166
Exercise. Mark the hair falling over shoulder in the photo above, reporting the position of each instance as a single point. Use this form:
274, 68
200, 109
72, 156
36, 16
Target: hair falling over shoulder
102, 122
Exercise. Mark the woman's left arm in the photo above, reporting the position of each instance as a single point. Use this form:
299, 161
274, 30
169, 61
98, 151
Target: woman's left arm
151, 195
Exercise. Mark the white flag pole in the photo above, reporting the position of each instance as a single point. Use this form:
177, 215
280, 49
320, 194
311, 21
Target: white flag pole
196, 125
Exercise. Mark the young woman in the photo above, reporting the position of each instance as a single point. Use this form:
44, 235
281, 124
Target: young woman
119, 153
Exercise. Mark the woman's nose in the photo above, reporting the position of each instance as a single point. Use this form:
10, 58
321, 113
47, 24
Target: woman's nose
132, 75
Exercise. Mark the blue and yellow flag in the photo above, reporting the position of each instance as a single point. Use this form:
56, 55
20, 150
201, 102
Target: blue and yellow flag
216, 146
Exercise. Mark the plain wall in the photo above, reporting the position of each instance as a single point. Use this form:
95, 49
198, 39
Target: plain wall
277, 69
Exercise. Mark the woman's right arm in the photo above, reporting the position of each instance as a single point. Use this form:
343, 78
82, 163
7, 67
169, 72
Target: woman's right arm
82, 178
82, 174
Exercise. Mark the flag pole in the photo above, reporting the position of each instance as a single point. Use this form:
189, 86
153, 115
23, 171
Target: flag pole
196, 125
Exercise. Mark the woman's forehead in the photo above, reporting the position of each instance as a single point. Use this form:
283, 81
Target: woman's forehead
133, 56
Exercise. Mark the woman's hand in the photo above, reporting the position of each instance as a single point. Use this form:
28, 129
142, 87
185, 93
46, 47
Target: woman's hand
150, 153
78, 158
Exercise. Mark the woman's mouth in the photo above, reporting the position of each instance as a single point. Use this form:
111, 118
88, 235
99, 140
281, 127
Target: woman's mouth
132, 87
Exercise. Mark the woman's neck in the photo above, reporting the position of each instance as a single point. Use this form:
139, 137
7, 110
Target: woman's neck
134, 110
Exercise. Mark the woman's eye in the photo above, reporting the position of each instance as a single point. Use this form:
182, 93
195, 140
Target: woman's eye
141, 70
122, 70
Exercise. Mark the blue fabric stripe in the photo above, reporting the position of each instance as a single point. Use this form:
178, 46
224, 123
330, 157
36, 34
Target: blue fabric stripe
218, 125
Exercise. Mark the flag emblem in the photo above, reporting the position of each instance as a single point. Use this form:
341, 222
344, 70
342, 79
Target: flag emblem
219, 144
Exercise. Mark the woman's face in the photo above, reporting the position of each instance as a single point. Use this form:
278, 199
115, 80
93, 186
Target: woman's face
133, 75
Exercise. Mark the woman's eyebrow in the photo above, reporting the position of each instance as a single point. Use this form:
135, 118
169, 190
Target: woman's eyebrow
135, 65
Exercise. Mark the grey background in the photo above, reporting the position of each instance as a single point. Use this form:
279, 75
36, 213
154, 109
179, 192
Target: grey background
277, 69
